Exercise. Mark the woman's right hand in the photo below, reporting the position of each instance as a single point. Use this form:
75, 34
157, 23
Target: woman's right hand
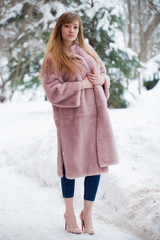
86, 84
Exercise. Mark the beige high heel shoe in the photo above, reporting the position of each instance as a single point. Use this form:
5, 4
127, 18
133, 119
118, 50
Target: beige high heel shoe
86, 230
75, 230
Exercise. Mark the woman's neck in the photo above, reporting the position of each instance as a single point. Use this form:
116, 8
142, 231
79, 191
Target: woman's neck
68, 44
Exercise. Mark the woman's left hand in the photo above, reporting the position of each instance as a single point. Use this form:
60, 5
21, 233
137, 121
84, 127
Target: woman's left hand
95, 78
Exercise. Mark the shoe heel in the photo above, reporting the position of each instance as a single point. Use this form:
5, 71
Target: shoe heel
65, 227
75, 230
88, 230
82, 225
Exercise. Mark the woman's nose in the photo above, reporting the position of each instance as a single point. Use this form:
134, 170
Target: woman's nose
71, 29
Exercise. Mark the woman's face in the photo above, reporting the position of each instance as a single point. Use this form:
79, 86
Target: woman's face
69, 32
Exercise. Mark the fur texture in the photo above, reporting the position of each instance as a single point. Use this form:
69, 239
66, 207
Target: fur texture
85, 138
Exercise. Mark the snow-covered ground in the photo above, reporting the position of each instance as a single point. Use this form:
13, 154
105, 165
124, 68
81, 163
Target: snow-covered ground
128, 201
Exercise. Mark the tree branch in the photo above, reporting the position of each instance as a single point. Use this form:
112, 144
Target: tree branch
153, 6
3, 83
155, 22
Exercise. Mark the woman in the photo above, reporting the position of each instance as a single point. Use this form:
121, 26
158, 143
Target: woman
76, 84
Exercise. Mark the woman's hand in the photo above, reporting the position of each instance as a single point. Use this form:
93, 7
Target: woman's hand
95, 78
86, 83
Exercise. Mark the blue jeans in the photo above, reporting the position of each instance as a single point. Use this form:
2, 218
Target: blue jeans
90, 186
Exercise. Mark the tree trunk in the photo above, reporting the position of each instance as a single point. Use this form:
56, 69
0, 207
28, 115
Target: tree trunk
92, 27
145, 37
130, 23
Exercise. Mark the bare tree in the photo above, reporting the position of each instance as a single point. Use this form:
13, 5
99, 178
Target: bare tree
143, 22
145, 34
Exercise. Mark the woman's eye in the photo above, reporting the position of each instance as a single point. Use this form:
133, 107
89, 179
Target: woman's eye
66, 26
75, 27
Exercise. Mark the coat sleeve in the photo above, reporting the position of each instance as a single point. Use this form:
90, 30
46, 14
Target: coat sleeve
61, 94
103, 73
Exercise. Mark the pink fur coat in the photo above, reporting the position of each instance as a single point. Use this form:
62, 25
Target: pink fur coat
85, 138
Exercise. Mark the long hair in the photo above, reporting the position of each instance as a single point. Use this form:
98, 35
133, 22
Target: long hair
56, 47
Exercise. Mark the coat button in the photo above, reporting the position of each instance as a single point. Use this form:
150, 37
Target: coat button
62, 153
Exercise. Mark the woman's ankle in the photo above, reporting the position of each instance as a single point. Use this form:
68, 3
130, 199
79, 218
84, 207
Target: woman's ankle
69, 212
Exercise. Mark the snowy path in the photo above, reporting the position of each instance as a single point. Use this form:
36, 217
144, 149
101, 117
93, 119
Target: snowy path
128, 199
28, 210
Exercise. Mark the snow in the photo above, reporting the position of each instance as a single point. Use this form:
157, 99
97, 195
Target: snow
110, 4
91, 12
3, 62
150, 68
12, 13
27, 78
34, 94
25, 44
128, 199
48, 17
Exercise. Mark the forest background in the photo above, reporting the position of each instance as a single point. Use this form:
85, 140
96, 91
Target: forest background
125, 34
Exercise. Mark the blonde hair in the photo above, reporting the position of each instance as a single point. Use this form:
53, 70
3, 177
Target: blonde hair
56, 47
